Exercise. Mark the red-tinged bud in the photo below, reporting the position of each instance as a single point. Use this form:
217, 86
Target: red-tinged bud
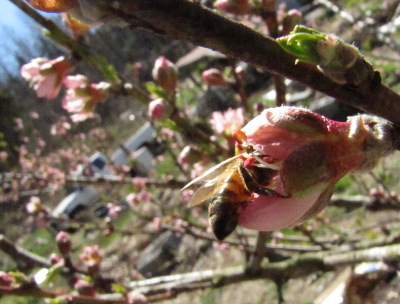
84, 288
157, 108
6, 280
236, 7
213, 77
64, 243
165, 74
136, 298
55, 258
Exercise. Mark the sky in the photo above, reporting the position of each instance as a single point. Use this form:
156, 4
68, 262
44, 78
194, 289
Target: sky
15, 25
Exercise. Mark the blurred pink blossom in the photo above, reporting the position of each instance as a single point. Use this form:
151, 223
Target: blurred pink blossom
114, 210
19, 123
91, 255
139, 197
228, 122
34, 205
3, 156
34, 115
157, 223
45, 76
82, 97
139, 182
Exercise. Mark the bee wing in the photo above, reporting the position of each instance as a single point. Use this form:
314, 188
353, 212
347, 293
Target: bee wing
212, 172
203, 193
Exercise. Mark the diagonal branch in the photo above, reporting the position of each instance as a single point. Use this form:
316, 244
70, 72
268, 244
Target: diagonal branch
188, 21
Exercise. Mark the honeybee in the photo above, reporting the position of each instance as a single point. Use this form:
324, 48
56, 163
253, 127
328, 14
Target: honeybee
230, 185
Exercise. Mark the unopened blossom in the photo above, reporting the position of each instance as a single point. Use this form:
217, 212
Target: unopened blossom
309, 154
236, 7
165, 74
6, 279
228, 122
213, 77
82, 97
157, 108
45, 76
63, 241
55, 258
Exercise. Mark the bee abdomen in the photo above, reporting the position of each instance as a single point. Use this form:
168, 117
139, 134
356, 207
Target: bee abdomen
223, 215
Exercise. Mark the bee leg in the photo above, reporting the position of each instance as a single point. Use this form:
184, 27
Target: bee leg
252, 185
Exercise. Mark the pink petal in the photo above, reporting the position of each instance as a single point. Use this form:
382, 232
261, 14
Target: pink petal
76, 81
48, 87
273, 213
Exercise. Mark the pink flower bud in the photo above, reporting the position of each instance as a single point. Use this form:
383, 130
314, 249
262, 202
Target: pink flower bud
6, 280
54, 258
157, 108
165, 74
213, 77
309, 153
228, 122
64, 243
236, 7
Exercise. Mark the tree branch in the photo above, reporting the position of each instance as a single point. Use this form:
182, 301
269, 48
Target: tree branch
188, 21
296, 267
